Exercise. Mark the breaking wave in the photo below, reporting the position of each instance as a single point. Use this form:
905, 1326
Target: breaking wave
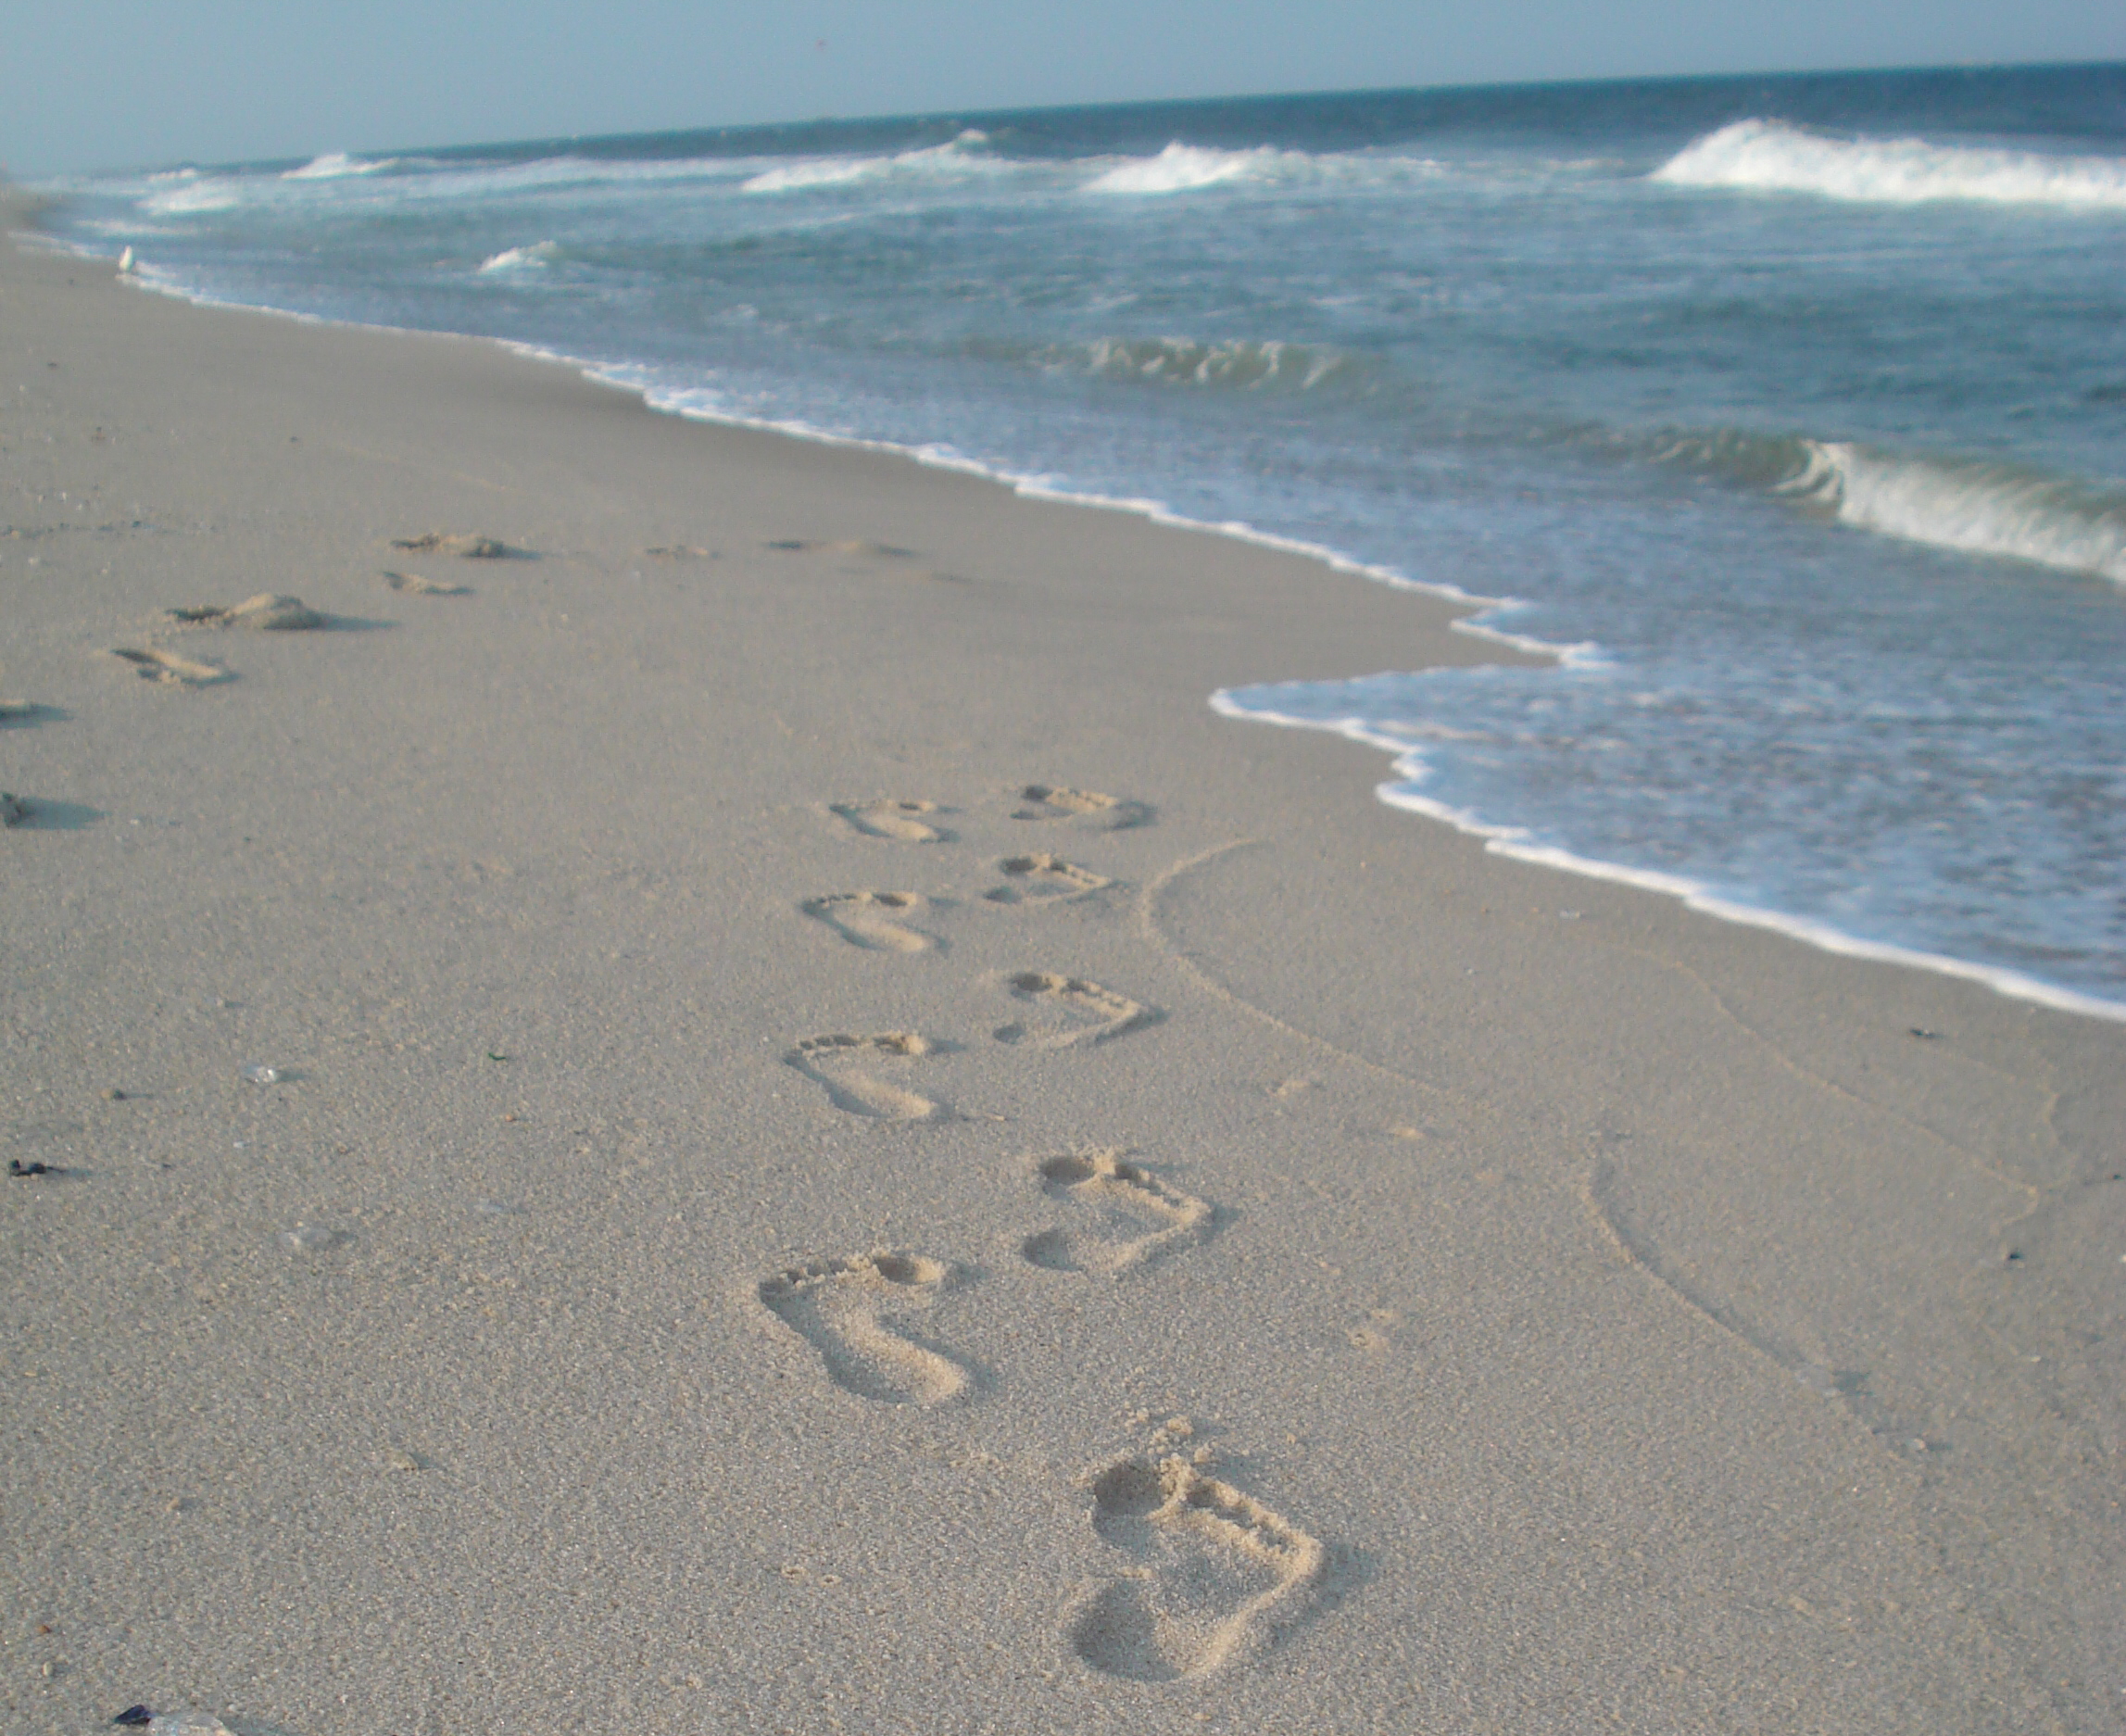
957, 157
1972, 504
1982, 508
1236, 364
1769, 156
334, 165
1185, 168
535, 258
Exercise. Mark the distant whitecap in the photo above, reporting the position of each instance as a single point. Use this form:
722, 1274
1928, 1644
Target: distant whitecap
1769, 156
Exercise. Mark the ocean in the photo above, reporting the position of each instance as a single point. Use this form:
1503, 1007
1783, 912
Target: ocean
1787, 415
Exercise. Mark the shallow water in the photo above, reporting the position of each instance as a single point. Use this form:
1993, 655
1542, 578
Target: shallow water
1796, 408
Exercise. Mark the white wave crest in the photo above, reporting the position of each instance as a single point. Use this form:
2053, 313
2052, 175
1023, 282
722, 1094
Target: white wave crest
1237, 362
535, 258
1184, 169
1768, 157
334, 165
190, 196
956, 157
1982, 508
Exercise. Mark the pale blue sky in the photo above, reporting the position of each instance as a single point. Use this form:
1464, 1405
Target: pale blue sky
94, 83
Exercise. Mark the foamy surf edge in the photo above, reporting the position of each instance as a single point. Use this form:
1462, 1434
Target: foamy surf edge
1516, 844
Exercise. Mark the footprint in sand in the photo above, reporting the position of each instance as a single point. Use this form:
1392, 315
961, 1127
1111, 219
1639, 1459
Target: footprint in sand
904, 822
1089, 1014
1043, 880
840, 1308
1048, 801
414, 584
267, 613
1212, 1569
851, 1069
159, 665
1123, 1215
866, 919
461, 543
852, 545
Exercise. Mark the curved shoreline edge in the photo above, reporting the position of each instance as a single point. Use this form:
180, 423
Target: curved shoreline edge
1499, 838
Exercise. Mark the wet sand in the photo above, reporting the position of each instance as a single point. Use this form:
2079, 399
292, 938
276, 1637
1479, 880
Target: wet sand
846, 1155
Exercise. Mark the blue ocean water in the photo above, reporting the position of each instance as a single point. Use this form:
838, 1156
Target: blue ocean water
1792, 412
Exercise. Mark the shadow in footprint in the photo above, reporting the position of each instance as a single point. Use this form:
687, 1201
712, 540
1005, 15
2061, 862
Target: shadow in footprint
465, 544
413, 585
853, 1072
156, 664
868, 919
1124, 1216
36, 815
1212, 1570
905, 822
1080, 1012
840, 1308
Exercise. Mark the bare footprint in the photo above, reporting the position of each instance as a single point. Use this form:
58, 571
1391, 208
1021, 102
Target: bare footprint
153, 664
417, 585
459, 542
854, 546
837, 1306
850, 1069
904, 822
267, 613
1092, 1014
865, 919
1125, 1215
1048, 801
1043, 880
1210, 1568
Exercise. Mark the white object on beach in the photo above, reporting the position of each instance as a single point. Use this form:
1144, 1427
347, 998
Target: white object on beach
187, 1724
125, 263
260, 1074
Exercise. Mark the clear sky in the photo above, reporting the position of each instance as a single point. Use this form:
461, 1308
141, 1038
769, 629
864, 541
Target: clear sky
119, 84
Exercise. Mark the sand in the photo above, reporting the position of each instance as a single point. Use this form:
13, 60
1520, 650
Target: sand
846, 1155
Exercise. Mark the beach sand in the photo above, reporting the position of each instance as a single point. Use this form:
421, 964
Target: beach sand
847, 1156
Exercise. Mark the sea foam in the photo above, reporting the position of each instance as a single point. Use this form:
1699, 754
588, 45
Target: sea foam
1770, 157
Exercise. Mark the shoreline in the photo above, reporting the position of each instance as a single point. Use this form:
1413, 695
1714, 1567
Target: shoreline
827, 1103
1501, 837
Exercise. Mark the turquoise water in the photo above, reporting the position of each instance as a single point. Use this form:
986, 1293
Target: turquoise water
1792, 412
